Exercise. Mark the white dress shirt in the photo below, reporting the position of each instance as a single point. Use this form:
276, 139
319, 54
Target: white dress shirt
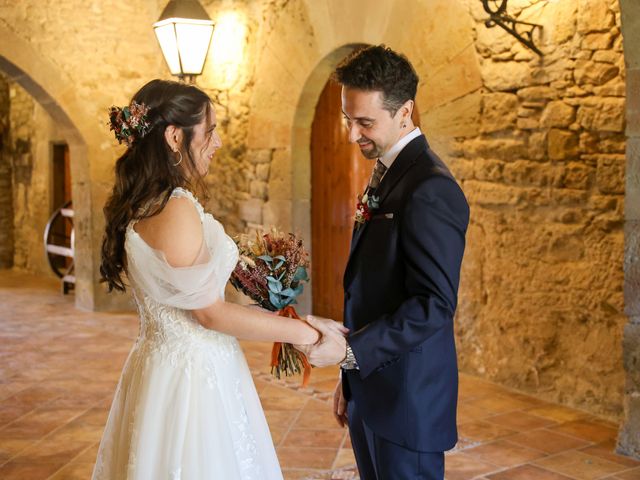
388, 158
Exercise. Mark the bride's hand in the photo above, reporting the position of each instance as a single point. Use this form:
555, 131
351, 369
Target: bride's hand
323, 324
306, 348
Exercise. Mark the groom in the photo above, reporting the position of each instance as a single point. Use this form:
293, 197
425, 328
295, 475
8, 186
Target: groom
399, 376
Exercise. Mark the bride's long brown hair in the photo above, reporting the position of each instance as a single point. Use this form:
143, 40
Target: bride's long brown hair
146, 174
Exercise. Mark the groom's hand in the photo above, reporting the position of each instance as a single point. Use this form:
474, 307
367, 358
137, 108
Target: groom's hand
332, 346
339, 405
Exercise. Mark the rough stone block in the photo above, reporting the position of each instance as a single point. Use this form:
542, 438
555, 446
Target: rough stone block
527, 173
492, 194
557, 114
259, 190
562, 144
262, 172
576, 91
561, 21
615, 88
503, 76
537, 94
488, 170
606, 56
260, 156
603, 114
594, 16
526, 112
501, 148
537, 146
589, 72
597, 41
528, 123
610, 174
606, 142
499, 111
577, 176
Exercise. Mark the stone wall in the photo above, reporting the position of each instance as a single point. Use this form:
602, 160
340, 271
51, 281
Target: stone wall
233, 178
32, 135
6, 191
538, 145
542, 297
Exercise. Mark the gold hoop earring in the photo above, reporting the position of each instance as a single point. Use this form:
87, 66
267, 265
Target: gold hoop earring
179, 161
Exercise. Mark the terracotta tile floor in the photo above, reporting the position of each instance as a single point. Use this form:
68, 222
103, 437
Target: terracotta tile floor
59, 367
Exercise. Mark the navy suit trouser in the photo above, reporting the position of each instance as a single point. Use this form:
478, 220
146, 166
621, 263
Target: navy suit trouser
380, 459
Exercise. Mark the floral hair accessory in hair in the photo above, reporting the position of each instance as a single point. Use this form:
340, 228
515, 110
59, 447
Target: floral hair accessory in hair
130, 122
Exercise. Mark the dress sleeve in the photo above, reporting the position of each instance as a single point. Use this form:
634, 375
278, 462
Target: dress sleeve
188, 288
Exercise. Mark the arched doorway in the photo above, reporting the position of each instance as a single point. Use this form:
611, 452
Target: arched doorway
339, 173
52, 91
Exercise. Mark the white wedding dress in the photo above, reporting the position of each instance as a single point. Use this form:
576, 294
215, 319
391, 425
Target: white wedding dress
186, 407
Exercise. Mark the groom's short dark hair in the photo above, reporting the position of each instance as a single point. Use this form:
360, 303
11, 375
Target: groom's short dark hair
378, 68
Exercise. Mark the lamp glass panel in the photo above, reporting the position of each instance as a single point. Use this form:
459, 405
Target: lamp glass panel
169, 45
193, 44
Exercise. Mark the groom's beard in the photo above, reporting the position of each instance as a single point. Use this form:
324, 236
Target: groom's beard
368, 148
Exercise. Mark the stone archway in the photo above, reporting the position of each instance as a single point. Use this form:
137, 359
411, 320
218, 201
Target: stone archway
437, 38
629, 439
49, 87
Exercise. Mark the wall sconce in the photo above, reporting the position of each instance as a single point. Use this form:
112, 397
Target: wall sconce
523, 31
184, 33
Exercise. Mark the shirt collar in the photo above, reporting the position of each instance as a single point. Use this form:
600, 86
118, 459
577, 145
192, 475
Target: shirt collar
388, 158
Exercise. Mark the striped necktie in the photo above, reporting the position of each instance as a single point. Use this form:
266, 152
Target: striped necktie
376, 175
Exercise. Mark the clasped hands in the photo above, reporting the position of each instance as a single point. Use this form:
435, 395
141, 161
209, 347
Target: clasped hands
331, 348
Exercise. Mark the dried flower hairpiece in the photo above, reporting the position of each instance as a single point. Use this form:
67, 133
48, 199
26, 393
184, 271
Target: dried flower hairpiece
129, 123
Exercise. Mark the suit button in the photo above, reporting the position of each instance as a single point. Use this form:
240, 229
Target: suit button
347, 295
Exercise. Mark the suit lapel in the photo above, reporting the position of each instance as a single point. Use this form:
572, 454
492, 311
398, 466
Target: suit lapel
400, 166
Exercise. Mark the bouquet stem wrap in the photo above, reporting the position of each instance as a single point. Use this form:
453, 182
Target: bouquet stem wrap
285, 358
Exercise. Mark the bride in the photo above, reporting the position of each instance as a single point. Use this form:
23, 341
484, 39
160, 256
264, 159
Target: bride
186, 406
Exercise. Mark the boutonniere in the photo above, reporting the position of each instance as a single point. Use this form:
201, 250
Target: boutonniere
366, 204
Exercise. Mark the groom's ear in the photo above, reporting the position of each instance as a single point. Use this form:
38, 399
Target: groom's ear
173, 136
406, 110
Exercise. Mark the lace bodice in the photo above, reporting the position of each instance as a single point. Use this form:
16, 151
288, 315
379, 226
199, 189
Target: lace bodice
165, 294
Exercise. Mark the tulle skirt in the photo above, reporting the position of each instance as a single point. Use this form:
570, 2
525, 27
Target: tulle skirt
189, 411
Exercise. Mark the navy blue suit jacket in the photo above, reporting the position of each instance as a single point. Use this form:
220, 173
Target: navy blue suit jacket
401, 287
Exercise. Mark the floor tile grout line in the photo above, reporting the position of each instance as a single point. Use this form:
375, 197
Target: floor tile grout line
545, 467
281, 443
518, 392
69, 462
342, 443
43, 438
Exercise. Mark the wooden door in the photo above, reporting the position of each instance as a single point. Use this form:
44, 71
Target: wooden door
61, 194
339, 173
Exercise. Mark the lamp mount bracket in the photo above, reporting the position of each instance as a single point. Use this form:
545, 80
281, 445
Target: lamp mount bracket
522, 31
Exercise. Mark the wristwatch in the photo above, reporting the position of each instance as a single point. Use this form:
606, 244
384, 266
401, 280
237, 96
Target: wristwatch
349, 362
